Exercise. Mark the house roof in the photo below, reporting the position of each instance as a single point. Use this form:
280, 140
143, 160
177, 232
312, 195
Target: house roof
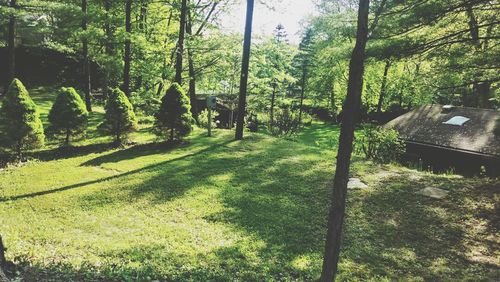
456, 128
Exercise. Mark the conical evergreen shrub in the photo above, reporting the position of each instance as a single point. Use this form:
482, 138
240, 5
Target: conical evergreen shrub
174, 118
68, 116
120, 118
20, 124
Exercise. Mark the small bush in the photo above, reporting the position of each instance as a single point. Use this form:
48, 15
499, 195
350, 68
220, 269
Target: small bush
381, 145
174, 118
119, 119
306, 119
20, 124
68, 116
203, 119
286, 122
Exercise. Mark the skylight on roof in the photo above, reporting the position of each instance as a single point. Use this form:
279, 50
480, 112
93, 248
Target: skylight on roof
457, 120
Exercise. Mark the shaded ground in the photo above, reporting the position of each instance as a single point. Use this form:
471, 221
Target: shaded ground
214, 209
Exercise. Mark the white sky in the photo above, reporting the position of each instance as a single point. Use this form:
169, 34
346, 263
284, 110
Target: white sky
290, 13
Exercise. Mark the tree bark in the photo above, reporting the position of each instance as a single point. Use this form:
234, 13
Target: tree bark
351, 113
86, 61
108, 48
180, 43
192, 73
383, 88
2, 253
68, 133
142, 27
244, 71
273, 99
128, 51
302, 91
11, 46
480, 89
333, 105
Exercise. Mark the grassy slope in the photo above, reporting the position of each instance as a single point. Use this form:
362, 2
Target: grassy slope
216, 209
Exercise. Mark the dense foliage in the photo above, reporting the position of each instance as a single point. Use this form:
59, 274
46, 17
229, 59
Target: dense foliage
20, 124
203, 119
174, 119
119, 119
68, 115
381, 145
285, 123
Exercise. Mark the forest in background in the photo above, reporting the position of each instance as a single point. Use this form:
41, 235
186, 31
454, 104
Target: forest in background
418, 52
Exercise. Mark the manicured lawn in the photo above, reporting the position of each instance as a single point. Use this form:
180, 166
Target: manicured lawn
214, 209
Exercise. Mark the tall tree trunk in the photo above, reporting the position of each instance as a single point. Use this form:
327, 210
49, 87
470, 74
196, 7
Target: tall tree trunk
244, 71
128, 51
68, 133
273, 99
192, 73
3, 261
2, 253
351, 114
383, 88
482, 90
180, 43
302, 92
108, 48
11, 46
86, 61
142, 27
333, 105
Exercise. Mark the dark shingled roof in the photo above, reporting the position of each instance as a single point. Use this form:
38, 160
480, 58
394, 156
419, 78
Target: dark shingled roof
425, 125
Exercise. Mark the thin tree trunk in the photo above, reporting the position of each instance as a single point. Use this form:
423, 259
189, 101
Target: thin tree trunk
273, 99
244, 71
11, 44
68, 133
180, 44
480, 89
142, 27
108, 48
383, 88
302, 92
128, 51
351, 114
86, 61
333, 105
192, 73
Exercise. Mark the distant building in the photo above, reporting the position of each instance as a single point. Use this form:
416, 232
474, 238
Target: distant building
448, 136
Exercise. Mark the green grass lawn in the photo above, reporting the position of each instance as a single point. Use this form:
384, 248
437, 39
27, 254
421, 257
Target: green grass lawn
214, 209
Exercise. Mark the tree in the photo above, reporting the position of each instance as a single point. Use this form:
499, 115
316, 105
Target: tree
303, 63
86, 60
11, 44
351, 113
119, 119
20, 124
68, 114
244, 71
127, 53
383, 87
180, 43
174, 116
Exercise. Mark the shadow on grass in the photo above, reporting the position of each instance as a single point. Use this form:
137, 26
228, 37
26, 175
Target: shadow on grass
397, 233
277, 193
128, 173
72, 151
229, 263
132, 153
